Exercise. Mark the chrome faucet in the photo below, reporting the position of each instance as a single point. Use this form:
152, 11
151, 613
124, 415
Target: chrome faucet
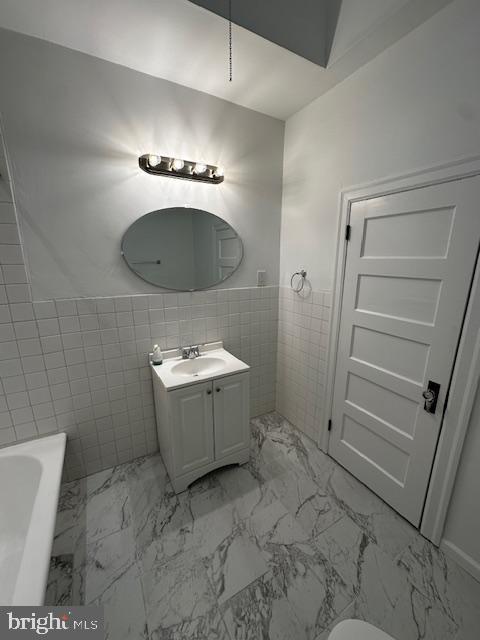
190, 353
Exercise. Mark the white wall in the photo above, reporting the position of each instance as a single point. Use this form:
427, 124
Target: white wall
415, 105
462, 530
75, 126
355, 19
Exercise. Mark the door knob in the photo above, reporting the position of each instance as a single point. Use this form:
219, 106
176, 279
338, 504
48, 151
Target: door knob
218, 389
430, 396
209, 391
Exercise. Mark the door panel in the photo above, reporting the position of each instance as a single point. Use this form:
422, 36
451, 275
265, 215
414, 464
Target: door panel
391, 235
402, 298
192, 410
226, 250
408, 270
232, 414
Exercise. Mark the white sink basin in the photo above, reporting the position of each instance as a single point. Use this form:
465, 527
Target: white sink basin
213, 362
198, 366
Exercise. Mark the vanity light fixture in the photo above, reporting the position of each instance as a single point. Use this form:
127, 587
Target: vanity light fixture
154, 160
177, 165
177, 168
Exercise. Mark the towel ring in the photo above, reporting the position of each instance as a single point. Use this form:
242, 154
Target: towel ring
301, 283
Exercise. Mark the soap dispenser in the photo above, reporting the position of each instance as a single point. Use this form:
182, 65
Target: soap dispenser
157, 355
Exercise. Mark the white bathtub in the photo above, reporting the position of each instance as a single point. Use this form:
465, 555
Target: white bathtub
30, 476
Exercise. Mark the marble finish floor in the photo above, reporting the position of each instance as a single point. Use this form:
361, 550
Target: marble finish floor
281, 548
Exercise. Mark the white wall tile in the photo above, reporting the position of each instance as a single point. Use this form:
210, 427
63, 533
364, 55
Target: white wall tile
27, 329
22, 311
7, 212
301, 360
17, 400
45, 309
66, 308
5, 315
6, 332
18, 293
10, 254
14, 274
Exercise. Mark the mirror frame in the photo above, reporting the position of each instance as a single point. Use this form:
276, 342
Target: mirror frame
211, 286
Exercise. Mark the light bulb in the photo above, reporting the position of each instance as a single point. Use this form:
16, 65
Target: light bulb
154, 160
200, 168
219, 172
178, 165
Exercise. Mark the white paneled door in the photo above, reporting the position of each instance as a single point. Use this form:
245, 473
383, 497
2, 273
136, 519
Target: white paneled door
410, 261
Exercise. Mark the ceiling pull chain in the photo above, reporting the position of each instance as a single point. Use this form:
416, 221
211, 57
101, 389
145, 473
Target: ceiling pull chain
230, 62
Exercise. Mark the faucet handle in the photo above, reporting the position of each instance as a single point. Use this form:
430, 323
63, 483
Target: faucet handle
190, 352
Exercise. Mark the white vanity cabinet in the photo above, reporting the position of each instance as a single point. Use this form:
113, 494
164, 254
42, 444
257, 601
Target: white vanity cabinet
203, 426
231, 411
192, 427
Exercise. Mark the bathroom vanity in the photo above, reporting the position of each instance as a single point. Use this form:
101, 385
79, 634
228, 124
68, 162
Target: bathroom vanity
202, 408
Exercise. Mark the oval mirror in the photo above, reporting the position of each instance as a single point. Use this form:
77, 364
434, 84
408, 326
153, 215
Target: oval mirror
182, 248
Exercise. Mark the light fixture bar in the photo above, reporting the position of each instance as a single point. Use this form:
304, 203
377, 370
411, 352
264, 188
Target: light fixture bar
176, 168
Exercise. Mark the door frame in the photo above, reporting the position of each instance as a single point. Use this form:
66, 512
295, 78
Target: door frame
466, 372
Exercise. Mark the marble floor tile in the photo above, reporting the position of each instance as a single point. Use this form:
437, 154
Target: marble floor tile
177, 594
200, 517
296, 448
106, 560
275, 525
166, 518
314, 589
381, 523
385, 595
147, 483
262, 611
72, 495
263, 449
450, 589
247, 493
124, 608
235, 563
388, 600
282, 548
343, 545
347, 614
60, 581
69, 524
210, 626
213, 518
311, 506
106, 511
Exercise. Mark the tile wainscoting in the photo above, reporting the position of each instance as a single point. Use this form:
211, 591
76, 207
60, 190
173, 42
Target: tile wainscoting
303, 333
80, 365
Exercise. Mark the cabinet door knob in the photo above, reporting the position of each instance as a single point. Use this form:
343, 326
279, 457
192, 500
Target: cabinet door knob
218, 389
209, 391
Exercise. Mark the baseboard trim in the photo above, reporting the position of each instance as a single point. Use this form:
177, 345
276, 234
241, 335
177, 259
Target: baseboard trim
463, 559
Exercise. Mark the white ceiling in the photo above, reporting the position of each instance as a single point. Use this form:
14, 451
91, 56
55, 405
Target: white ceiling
184, 43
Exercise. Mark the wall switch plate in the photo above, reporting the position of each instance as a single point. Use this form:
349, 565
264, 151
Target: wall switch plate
261, 278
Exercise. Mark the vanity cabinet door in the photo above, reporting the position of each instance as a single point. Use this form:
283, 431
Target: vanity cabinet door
192, 427
231, 407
